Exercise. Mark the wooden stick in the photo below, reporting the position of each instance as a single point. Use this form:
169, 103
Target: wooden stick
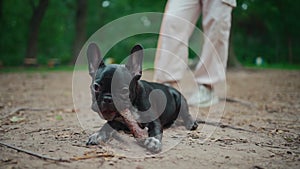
139, 133
34, 154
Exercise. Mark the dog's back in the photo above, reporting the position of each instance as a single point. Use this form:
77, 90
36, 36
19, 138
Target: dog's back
175, 105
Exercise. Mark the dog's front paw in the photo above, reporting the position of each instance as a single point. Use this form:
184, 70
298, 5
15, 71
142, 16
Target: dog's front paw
95, 139
192, 126
153, 144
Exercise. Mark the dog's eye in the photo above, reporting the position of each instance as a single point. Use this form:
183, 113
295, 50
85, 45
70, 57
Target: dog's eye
125, 90
96, 87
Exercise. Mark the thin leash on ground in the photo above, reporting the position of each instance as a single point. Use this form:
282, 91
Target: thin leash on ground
240, 101
221, 125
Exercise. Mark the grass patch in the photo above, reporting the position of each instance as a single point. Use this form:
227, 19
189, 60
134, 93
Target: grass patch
36, 69
146, 65
60, 68
274, 66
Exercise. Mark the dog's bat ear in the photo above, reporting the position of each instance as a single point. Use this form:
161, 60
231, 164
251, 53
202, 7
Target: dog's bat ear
135, 61
94, 58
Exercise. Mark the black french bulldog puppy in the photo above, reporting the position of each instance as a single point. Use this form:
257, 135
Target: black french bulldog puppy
117, 87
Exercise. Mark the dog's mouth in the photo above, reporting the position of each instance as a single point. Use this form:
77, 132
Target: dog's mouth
108, 115
108, 111
105, 111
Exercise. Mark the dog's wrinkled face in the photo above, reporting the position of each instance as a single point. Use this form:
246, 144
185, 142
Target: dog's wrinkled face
111, 90
113, 86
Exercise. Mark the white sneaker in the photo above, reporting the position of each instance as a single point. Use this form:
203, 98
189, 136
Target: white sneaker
204, 98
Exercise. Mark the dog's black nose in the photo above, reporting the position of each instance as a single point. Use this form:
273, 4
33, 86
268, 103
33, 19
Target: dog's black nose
107, 99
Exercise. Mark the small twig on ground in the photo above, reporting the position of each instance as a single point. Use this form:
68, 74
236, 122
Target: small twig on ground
33, 153
221, 125
80, 145
91, 156
278, 148
270, 146
18, 109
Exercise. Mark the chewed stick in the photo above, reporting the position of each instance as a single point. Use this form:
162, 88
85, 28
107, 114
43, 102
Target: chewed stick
139, 133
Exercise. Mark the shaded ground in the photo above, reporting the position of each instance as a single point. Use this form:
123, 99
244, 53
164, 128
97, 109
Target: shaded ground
273, 118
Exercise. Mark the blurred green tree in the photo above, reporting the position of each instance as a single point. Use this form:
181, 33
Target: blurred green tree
80, 28
34, 27
266, 29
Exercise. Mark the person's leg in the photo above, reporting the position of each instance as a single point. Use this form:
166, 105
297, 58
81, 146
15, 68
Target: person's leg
211, 68
172, 50
216, 27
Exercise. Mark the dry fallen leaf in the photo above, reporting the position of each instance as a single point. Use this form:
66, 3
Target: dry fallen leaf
16, 119
58, 117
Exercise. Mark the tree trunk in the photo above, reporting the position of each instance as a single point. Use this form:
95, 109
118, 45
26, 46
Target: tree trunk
1, 9
290, 47
80, 32
35, 22
232, 59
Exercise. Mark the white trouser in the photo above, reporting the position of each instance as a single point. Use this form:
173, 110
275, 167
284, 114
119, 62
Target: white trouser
178, 25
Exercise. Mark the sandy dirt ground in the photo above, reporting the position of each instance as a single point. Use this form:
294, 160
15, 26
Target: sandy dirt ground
262, 130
